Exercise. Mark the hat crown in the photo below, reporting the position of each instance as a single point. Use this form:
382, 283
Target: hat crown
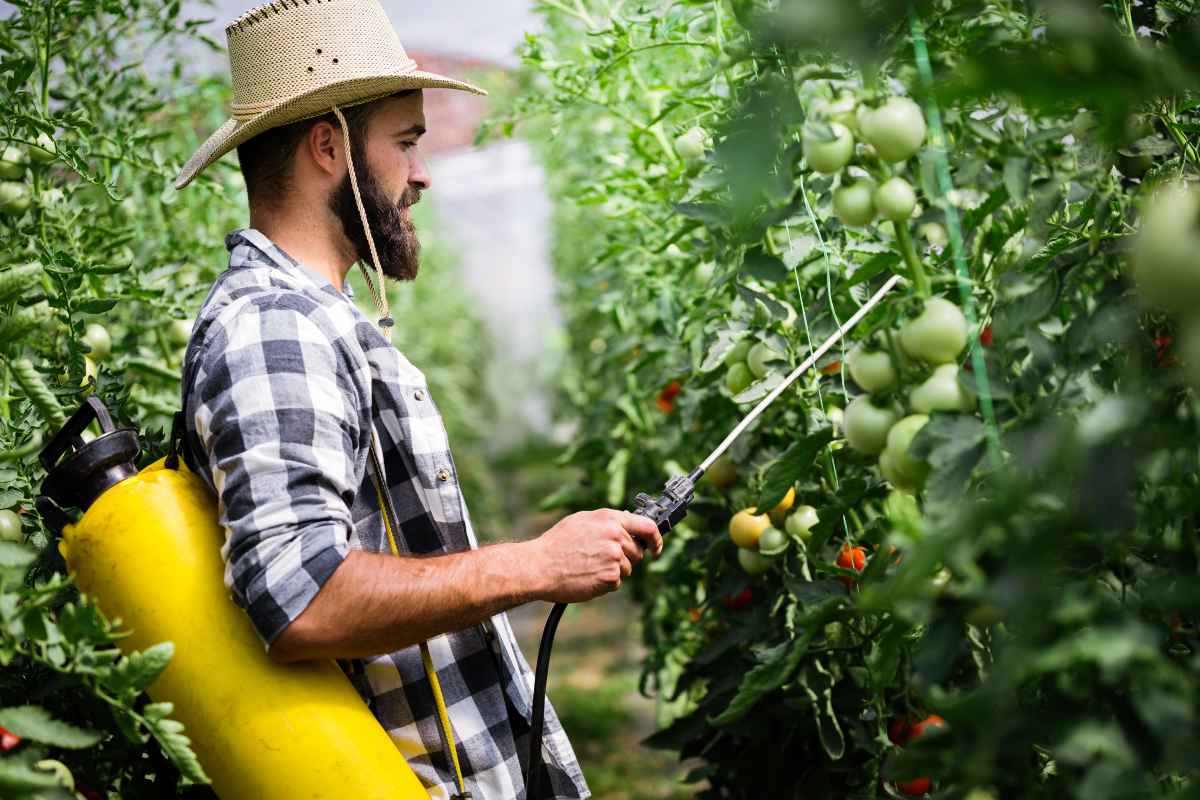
289, 47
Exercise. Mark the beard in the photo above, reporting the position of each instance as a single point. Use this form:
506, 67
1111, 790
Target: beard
395, 237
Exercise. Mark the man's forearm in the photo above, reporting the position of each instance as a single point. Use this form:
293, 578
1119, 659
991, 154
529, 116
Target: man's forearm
375, 603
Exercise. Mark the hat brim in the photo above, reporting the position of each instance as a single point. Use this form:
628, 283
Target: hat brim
311, 104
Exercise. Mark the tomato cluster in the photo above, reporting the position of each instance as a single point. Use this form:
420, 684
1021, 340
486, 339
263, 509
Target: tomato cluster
759, 538
891, 134
928, 344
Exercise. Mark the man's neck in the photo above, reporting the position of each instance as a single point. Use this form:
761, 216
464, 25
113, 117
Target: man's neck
310, 239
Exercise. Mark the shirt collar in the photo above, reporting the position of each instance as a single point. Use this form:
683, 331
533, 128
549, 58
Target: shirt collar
274, 255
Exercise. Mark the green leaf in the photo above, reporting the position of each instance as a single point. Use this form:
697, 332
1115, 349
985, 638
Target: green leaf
1031, 307
710, 214
795, 464
953, 445
764, 267
140, 669
1017, 172
618, 466
35, 724
175, 745
776, 666
15, 556
97, 306
18, 776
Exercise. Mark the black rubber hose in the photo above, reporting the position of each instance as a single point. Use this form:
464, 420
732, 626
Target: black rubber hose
533, 782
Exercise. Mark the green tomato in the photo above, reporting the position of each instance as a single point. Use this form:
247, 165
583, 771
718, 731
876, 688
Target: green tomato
871, 369
738, 378
12, 163
896, 129
934, 233
899, 439
1166, 255
801, 522
895, 199
43, 152
689, 145
737, 354
772, 542
937, 335
853, 205
14, 197
759, 356
179, 332
98, 341
752, 562
828, 156
941, 391
867, 424
10, 526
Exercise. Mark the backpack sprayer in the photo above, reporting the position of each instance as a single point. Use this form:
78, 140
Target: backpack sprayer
147, 547
667, 510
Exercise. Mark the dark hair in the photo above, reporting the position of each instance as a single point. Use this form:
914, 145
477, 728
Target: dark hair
266, 160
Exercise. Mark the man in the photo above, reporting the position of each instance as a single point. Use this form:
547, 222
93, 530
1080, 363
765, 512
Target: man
295, 404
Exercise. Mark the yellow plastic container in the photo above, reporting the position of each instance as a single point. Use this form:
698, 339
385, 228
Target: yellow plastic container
148, 551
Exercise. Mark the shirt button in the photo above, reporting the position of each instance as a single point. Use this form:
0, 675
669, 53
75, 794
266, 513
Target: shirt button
443, 474
419, 395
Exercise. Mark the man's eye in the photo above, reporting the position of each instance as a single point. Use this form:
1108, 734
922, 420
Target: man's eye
407, 145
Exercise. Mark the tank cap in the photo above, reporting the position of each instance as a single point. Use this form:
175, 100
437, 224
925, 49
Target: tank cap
77, 471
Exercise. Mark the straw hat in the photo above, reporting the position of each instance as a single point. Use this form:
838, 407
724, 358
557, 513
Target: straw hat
294, 59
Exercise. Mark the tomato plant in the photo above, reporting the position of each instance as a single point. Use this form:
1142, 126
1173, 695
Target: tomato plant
1015, 394
103, 264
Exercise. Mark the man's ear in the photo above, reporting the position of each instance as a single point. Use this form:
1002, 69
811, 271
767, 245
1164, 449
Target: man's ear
324, 146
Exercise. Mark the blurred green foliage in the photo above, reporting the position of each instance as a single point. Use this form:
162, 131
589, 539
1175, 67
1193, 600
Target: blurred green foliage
100, 251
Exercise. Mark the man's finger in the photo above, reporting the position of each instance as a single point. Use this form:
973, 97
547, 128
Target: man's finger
631, 548
645, 529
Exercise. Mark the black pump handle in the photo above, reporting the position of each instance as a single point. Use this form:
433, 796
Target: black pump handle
69, 435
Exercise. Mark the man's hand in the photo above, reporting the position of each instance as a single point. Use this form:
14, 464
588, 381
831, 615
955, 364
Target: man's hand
587, 554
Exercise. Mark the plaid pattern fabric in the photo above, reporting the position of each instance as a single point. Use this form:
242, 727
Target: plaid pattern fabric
283, 379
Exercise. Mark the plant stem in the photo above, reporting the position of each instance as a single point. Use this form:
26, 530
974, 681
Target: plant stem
909, 253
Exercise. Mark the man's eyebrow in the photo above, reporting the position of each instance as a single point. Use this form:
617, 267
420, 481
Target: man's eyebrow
416, 130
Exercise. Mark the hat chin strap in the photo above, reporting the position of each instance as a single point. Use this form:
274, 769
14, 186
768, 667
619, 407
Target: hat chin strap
379, 295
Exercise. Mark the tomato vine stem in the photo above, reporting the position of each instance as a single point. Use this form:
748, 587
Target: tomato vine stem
909, 253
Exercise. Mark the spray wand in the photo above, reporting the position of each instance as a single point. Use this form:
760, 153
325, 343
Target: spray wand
667, 510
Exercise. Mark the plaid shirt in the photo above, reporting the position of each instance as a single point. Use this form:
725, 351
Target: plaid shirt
283, 379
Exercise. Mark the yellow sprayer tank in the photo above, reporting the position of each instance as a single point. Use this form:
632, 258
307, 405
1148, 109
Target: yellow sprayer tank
147, 549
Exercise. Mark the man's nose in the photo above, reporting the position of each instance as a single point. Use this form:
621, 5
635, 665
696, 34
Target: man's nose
418, 174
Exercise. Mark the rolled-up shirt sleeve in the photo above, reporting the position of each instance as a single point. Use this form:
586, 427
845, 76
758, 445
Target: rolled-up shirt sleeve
278, 420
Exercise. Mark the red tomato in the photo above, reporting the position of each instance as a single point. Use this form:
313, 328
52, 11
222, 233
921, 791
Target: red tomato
916, 787
985, 336
1163, 357
899, 731
666, 397
932, 721
8, 739
854, 558
736, 602
832, 368
694, 613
